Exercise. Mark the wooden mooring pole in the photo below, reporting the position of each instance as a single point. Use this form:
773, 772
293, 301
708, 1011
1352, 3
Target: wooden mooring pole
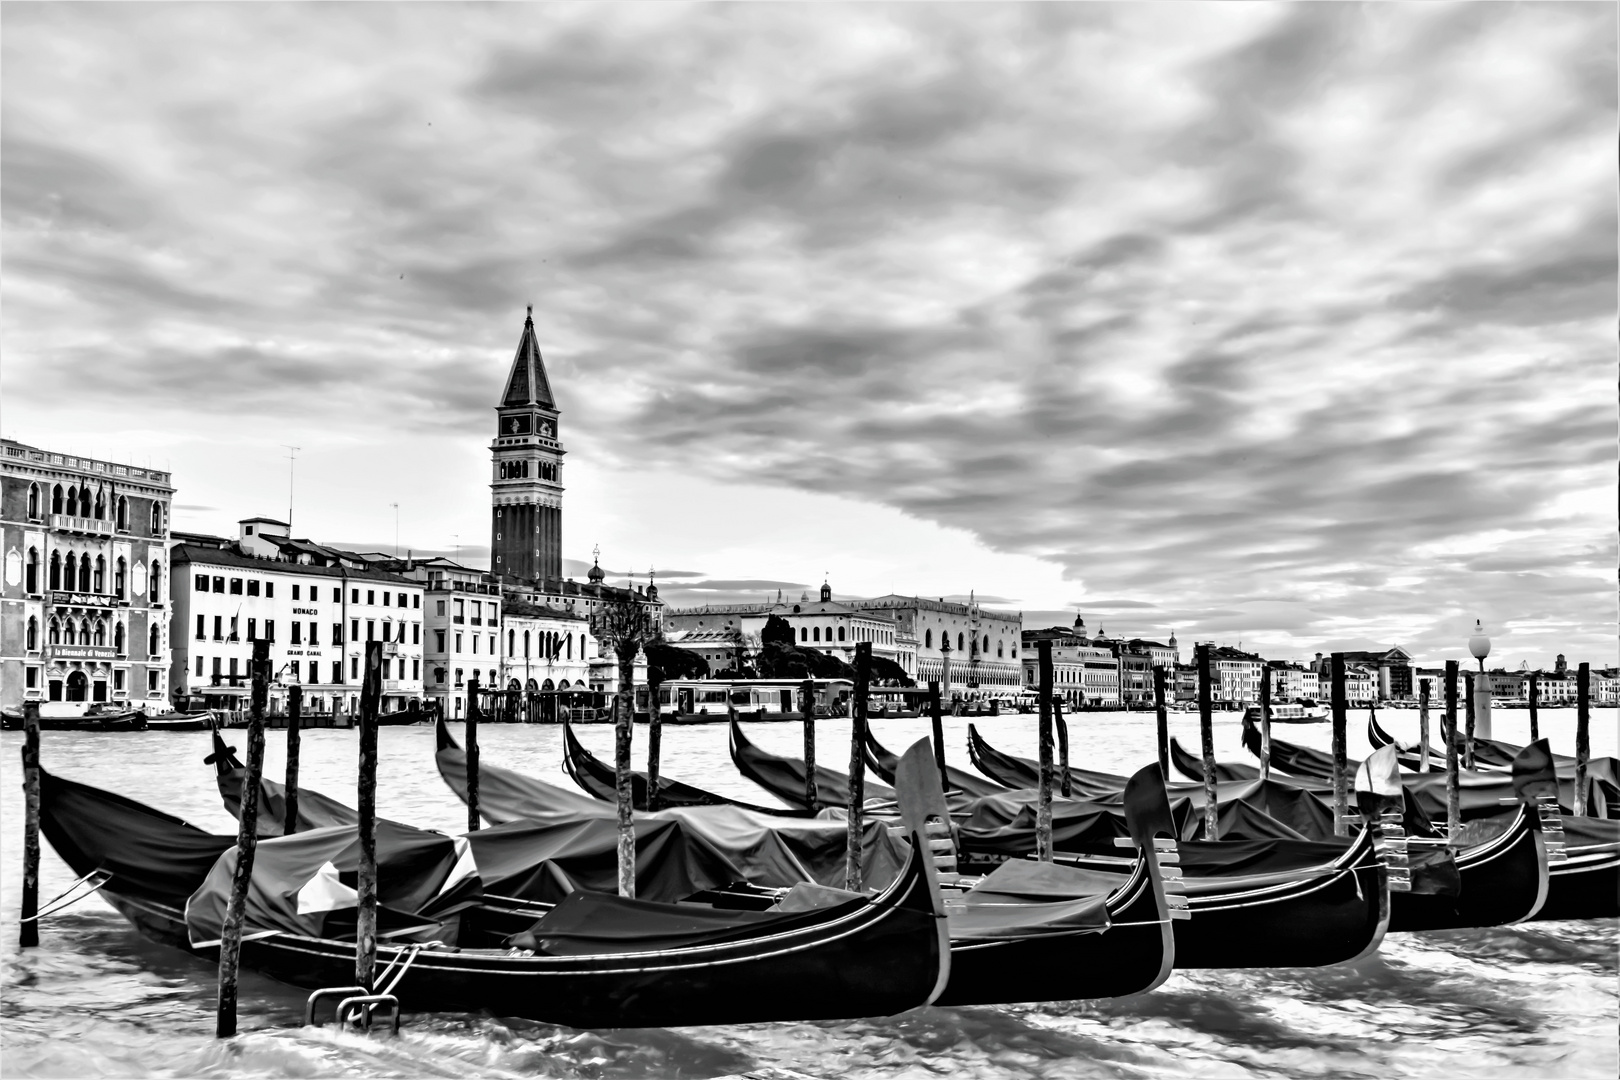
1265, 722
1043, 807
365, 937
1065, 781
1468, 738
936, 720
807, 694
1341, 761
247, 839
1535, 705
28, 937
1583, 734
1453, 790
857, 765
295, 713
624, 728
1423, 725
1162, 708
1206, 739
655, 728
472, 754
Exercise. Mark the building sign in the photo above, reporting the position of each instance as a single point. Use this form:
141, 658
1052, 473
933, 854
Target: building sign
79, 599
82, 652
305, 611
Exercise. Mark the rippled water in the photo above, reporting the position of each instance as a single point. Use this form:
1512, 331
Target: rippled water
96, 1000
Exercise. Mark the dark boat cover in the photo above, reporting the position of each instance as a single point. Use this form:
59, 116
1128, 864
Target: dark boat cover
594, 924
770, 851
305, 884
597, 778
784, 776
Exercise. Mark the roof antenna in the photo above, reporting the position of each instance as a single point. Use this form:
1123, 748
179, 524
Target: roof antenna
292, 452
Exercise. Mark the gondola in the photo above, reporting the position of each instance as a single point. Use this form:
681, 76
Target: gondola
1495, 856
1493, 755
1275, 900
597, 779
128, 720
1030, 932
784, 777
592, 961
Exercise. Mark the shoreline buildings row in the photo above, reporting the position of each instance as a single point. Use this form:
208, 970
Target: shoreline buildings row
102, 601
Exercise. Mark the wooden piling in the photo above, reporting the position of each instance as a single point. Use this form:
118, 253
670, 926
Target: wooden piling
29, 934
471, 739
247, 839
936, 719
1453, 790
1065, 781
857, 765
624, 726
1162, 708
1423, 725
655, 725
1468, 738
295, 714
1206, 739
365, 938
1535, 706
1341, 761
807, 694
1265, 722
1583, 734
1043, 807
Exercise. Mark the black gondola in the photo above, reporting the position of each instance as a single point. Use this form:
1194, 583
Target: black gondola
127, 720
602, 961
597, 779
784, 777
1272, 901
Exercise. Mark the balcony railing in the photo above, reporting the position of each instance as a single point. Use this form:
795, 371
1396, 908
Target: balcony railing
87, 525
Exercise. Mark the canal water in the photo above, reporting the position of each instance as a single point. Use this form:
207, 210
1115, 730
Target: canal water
96, 1000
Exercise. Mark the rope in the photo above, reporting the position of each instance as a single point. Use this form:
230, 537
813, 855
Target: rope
48, 909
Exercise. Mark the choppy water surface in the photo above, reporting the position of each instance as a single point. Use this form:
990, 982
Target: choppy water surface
96, 1000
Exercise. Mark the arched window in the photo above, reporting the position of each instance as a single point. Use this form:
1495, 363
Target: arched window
55, 632
958, 642
84, 572
68, 635
101, 633
118, 638
101, 574
84, 502
526, 651
33, 633
815, 633
72, 501
31, 571
840, 633
571, 646
511, 641
152, 642
120, 576
84, 631
122, 513
157, 582
57, 571
157, 519
101, 505
56, 500
987, 643
33, 501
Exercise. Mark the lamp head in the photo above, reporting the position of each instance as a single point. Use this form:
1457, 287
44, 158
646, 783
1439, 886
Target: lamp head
1478, 643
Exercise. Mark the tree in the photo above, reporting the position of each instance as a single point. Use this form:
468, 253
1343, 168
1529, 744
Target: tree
776, 632
675, 663
624, 627
778, 661
888, 672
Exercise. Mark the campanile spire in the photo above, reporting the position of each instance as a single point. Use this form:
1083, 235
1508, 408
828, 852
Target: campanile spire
526, 482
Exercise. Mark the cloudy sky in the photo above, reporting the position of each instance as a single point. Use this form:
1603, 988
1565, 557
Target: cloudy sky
1291, 325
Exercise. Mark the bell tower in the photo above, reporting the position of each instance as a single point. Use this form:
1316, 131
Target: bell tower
526, 482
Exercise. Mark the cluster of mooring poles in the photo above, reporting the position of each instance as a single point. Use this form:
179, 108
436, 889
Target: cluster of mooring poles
358, 1002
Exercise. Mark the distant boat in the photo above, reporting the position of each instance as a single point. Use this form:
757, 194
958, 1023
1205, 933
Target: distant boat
1285, 714
128, 720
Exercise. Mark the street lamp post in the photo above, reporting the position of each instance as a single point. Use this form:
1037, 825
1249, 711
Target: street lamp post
1480, 646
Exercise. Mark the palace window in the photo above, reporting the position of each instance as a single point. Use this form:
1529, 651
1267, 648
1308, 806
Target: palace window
157, 519
56, 570
33, 634
958, 642
840, 633
31, 572
120, 578
68, 637
928, 639
157, 583
101, 505
54, 633
33, 502
121, 514
84, 572
56, 500
101, 633
101, 574
152, 642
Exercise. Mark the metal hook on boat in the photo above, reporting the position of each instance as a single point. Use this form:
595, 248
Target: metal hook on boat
52, 907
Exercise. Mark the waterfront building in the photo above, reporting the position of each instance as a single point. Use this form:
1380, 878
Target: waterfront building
1605, 686
318, 606
1391, 670
1085, 672
545, 648
983, 643
84, 593
1292, 682
461, 630
1234, 675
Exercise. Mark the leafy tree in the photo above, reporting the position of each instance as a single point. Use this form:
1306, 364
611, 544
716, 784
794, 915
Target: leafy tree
675, 663
778, 661
888, 672
777, 631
